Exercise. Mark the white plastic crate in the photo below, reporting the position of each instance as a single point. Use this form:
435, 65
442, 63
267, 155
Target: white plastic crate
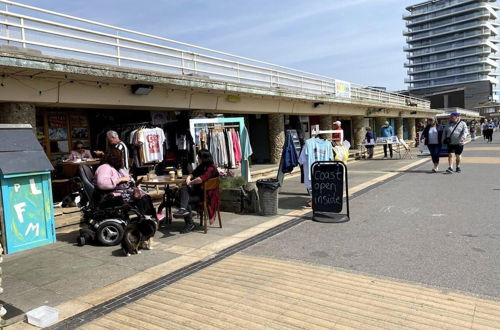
43, 316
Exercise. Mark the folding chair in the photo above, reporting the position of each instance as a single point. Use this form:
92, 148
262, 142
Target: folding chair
407, 150
208, 186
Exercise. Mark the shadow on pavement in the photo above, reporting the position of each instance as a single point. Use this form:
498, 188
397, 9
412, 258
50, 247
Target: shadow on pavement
292, 203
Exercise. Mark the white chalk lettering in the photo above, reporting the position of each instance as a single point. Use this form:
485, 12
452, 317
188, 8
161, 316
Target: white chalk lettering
17, 186
32, 227
34, 189
20, 209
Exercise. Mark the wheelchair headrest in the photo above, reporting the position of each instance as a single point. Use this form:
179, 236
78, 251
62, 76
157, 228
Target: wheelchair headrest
87, 176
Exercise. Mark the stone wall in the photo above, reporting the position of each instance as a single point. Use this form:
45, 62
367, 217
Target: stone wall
18, 113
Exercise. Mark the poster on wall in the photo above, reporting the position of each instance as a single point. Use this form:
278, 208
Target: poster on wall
342, 89
56, 119
79, 133
159, 117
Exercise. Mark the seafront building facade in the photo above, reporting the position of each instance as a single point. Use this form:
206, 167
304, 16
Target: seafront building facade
65, 74
452, 52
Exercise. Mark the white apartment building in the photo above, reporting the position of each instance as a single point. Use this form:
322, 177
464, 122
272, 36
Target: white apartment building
452, 52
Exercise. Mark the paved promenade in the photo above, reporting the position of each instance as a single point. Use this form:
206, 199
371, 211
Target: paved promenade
289, 272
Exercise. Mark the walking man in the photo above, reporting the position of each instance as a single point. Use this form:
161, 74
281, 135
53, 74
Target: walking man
454, 137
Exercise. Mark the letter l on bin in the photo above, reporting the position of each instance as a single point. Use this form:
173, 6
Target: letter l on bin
26, 209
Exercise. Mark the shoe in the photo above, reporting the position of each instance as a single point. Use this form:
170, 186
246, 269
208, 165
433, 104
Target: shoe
449, 170
434, 169
458, 170
188, 228
181, 213
385, 157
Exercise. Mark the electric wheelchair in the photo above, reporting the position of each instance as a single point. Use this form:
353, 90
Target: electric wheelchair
106, 216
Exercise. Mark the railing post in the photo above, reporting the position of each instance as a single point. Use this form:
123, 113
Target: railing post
118, 52
23, 33
7, 34
182, 63
195, 67
238, 72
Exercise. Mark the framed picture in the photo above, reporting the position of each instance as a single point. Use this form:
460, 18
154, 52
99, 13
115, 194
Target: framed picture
79, 133
58, 133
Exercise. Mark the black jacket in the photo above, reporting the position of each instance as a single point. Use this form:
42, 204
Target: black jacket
425, 133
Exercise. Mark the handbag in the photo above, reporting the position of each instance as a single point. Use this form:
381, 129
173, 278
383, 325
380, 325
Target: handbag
447, 140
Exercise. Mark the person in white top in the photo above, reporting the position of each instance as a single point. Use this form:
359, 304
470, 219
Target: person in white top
432, 137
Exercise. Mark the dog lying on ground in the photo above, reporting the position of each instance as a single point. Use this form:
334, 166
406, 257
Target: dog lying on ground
138, 235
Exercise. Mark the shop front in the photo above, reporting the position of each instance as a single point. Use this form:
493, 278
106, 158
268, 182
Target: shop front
157, 142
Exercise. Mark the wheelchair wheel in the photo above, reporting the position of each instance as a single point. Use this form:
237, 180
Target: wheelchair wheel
110, 233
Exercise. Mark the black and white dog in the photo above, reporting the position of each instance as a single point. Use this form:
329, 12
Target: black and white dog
139, 235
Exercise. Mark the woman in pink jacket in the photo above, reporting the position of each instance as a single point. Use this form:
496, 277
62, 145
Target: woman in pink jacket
111, 178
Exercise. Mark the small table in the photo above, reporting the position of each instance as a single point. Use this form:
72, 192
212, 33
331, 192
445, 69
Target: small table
362, 147
166, 181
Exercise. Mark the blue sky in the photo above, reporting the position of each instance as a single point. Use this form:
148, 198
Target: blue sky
356, 40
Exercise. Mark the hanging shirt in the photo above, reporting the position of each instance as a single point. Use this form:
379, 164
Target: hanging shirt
237, 147
181, 142
152, 144
314, 150
246, 152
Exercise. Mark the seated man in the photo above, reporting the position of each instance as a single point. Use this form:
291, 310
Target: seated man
192, 189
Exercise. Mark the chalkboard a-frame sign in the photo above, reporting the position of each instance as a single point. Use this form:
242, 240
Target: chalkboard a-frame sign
328, 181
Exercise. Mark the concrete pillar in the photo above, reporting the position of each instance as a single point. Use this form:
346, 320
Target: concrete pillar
276, 136
18, 113
412, 129
398, 130
359, 124
326, 124
379, 122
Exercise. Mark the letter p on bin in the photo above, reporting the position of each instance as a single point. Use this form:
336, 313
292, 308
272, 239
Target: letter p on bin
26, 209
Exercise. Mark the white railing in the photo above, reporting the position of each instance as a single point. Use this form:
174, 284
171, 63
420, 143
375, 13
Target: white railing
60, 35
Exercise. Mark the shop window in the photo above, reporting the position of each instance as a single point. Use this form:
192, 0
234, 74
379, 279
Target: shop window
57, 131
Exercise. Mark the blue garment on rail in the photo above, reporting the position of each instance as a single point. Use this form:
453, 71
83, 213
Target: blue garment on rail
246, 152
316, 150
289, 155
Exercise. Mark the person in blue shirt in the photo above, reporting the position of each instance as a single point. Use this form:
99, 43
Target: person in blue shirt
387, 131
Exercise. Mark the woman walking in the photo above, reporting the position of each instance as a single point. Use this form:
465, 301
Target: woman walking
432, 137
370, 142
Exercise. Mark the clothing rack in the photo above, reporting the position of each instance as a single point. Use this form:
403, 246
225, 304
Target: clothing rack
234, 122
316, 131
130, 124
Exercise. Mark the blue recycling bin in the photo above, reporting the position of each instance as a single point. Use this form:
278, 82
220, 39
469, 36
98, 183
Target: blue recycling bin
26, 210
